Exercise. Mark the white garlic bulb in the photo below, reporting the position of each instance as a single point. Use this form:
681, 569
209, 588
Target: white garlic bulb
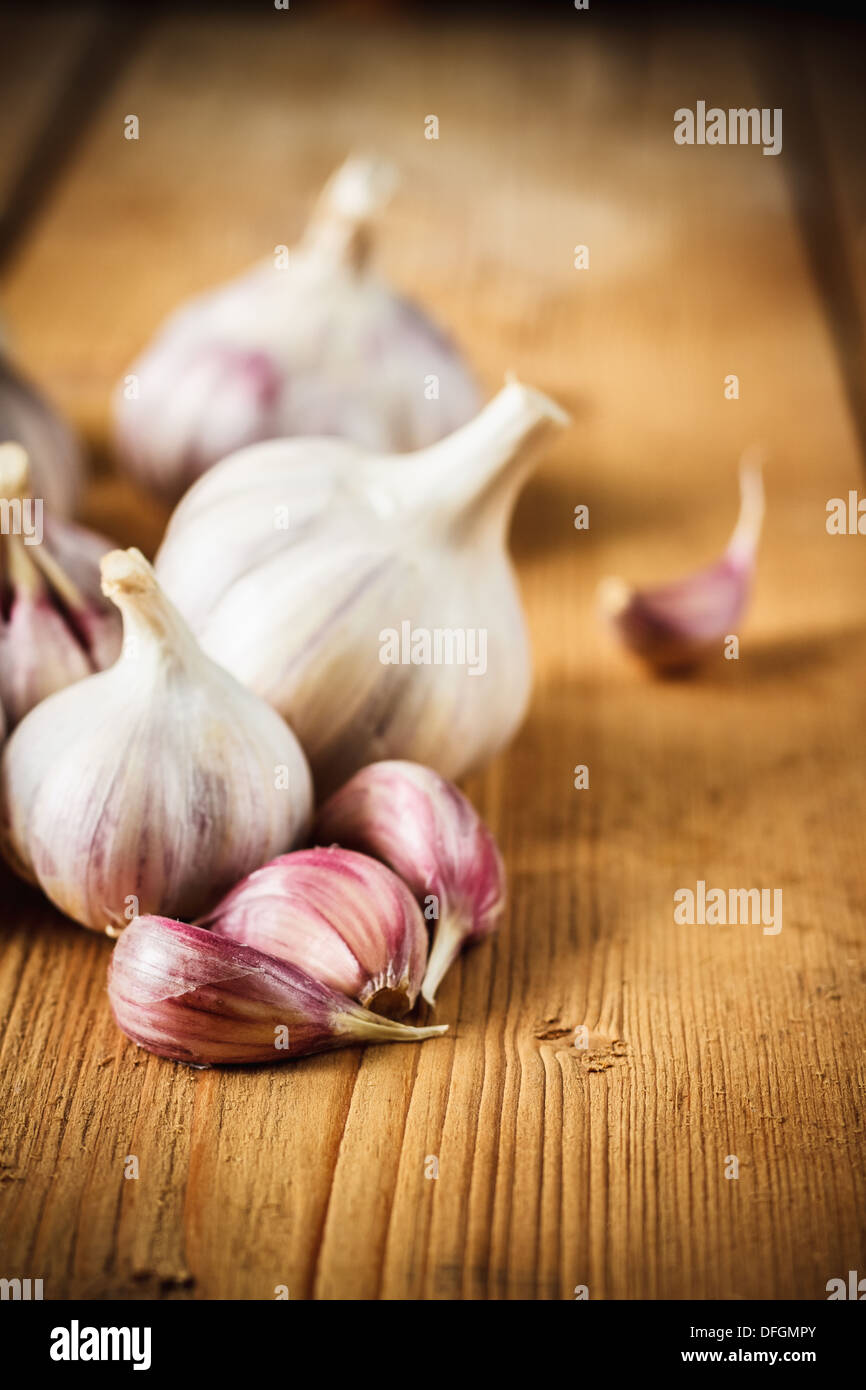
369, 599
307, 343
55, 458
153, 786
55, 625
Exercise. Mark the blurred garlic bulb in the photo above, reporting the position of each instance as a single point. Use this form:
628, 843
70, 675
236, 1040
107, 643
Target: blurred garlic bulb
55, 625
429, 833
342, 917
675, 626
313, 344
55, 458
155, 785
188, 994
370, 599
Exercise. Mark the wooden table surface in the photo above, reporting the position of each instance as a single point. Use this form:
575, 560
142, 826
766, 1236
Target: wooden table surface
557, 1167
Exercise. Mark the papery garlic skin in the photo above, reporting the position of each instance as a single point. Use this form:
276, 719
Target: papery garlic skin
155, 785
429, 833
344, 918
294, 561
317, 346
55, 458
55, 625
673, 627
195, 997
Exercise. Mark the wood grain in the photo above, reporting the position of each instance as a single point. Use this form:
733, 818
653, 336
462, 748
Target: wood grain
557, 1167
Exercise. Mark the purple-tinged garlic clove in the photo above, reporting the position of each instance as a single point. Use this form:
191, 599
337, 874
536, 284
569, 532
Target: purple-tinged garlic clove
55, 625
56, 466
342, 917
153, 786
309, 343
196, 997
674, 627
429, 833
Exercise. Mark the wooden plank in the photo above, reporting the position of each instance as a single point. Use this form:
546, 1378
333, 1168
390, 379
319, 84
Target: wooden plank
557, 1167
56, 68
36, 54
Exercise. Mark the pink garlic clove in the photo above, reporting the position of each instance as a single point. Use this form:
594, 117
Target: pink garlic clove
196, 997
55, 625
341, 916
427, 831
56, 465
675, 626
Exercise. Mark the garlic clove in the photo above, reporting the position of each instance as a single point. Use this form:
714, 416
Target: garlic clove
340, 916
196, 997
154, 785
55, 625
429, 833
309, 569
56, 464
675, 626
313, 346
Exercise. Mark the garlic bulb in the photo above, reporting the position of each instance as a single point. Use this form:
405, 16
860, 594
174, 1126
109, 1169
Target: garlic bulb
675, 626
430, 834
310, 344
369, 599
56, 466
55, 625
342, 917
155, 785
187, 994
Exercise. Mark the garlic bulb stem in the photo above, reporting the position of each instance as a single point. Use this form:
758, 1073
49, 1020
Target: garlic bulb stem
130, 583
476, 473
339, 229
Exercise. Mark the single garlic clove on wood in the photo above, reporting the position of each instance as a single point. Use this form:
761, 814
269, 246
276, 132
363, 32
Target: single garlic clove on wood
370, 598
308, 344
675, 626
196, 997
429, 833
55, 625
155, 785
55, 457
340, 916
